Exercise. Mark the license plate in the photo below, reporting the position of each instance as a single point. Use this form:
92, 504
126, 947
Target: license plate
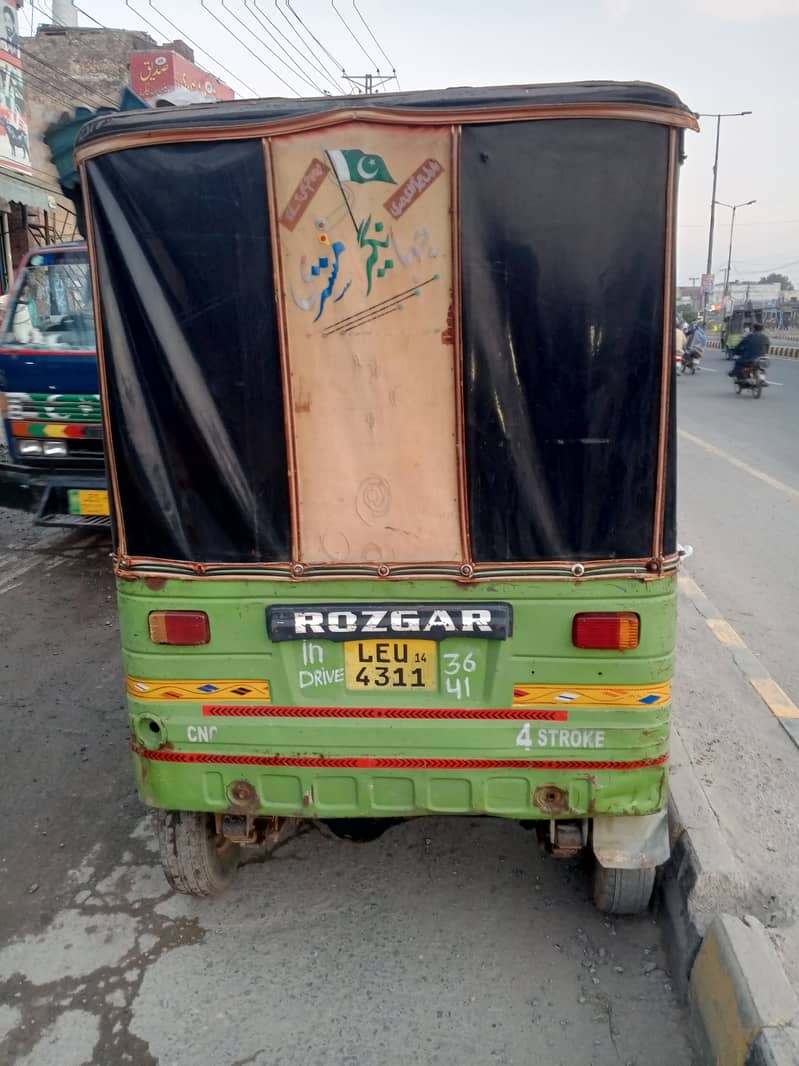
88, 501
391, 664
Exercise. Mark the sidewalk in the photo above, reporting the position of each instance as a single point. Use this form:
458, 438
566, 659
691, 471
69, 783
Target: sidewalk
748, 768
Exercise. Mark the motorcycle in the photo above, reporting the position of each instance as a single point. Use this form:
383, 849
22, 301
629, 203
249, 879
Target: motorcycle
752, 376
690, 361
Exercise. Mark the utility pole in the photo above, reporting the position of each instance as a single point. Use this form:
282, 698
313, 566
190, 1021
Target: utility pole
368, 84
733, 208
718, 117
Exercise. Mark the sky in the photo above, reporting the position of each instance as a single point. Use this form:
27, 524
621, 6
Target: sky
718, 55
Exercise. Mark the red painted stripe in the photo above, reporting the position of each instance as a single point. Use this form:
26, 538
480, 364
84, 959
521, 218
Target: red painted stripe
221, 710
365, 762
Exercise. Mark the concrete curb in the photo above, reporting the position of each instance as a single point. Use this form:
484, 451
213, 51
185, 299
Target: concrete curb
740, 1000
743, 1009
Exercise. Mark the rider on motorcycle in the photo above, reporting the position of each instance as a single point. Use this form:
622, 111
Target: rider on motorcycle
750, 348
697, 339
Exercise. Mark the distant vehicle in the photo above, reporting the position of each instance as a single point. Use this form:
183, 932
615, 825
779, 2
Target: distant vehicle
50, 392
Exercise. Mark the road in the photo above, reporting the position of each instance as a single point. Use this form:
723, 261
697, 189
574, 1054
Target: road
739, 508
445, 940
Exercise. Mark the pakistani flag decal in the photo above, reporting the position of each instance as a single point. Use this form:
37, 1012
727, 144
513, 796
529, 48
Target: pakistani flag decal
351, 164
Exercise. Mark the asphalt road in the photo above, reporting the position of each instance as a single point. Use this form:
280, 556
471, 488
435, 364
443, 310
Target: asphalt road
445, 941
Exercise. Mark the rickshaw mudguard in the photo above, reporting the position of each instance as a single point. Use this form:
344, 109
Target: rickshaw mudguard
626, 842
543, 730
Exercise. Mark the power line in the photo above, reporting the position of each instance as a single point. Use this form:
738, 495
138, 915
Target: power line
369, 31
296, 71
227, 29
349, 31
289, 61
314, 64
91, 18
185, 37
304, 43
332, 58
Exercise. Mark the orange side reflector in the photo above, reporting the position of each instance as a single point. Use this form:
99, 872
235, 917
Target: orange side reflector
179, 627
620, 631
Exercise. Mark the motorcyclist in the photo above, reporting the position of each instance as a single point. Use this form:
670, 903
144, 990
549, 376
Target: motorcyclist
750, 348
697, 340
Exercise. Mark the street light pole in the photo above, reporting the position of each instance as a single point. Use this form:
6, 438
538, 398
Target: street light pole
718, 117
733, 208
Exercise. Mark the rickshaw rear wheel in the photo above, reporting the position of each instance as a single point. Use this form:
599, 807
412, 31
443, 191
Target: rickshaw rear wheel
622, 891
196, 860
757, 391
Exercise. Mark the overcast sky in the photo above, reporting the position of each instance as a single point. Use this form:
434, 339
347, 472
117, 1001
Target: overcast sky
719, 55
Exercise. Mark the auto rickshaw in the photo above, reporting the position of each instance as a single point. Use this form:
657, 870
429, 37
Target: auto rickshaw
736, 325
388, 384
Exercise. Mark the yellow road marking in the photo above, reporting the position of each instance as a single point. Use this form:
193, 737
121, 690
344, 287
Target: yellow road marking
724, 632
776, 699
689, 586
740, 465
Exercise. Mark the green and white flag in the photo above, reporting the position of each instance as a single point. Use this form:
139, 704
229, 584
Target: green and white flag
351, 164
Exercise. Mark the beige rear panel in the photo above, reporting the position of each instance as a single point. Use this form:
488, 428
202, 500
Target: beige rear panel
366, 277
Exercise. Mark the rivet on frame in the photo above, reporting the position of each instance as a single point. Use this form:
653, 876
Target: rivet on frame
383, 571
298, 570
578, 569
467, 569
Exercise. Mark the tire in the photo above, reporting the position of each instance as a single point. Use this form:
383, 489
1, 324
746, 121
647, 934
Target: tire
194, 859
757, 391
693, 369
622, 891
739, 388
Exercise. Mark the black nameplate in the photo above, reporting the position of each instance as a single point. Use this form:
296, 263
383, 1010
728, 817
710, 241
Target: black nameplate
420, 621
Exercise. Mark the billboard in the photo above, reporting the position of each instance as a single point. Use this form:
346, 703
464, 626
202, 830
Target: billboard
159, 73
14, 144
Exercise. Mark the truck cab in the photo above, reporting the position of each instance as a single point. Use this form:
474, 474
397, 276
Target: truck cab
49, 392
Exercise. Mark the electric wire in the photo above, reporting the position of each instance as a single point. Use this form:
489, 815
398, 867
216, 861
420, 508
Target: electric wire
332, 58
255, 55
380, 47
349, 31
305, 44
289, 61
303, 58
296, 71
185, 37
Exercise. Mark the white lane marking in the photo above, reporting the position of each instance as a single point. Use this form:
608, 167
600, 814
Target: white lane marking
707, 370
14, 575
739, 464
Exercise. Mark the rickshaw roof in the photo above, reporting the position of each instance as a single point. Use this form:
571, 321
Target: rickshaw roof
237, 113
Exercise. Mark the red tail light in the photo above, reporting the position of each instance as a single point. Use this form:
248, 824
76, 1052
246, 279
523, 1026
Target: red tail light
620, 631
179, 627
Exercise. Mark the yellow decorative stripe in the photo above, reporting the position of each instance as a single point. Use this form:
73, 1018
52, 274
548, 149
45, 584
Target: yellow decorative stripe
198, 690
591, 695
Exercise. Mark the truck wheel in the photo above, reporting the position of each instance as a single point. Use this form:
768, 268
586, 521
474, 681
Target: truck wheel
622, 891
194, 858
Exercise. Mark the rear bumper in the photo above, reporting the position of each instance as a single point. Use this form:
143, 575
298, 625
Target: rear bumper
313, 788
44, 493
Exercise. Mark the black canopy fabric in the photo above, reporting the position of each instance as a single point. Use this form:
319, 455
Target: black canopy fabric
245, 112
563, 237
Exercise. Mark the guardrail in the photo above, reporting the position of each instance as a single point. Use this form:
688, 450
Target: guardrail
774, 349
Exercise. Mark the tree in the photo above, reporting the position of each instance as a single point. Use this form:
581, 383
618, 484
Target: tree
686, 313
783, 280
